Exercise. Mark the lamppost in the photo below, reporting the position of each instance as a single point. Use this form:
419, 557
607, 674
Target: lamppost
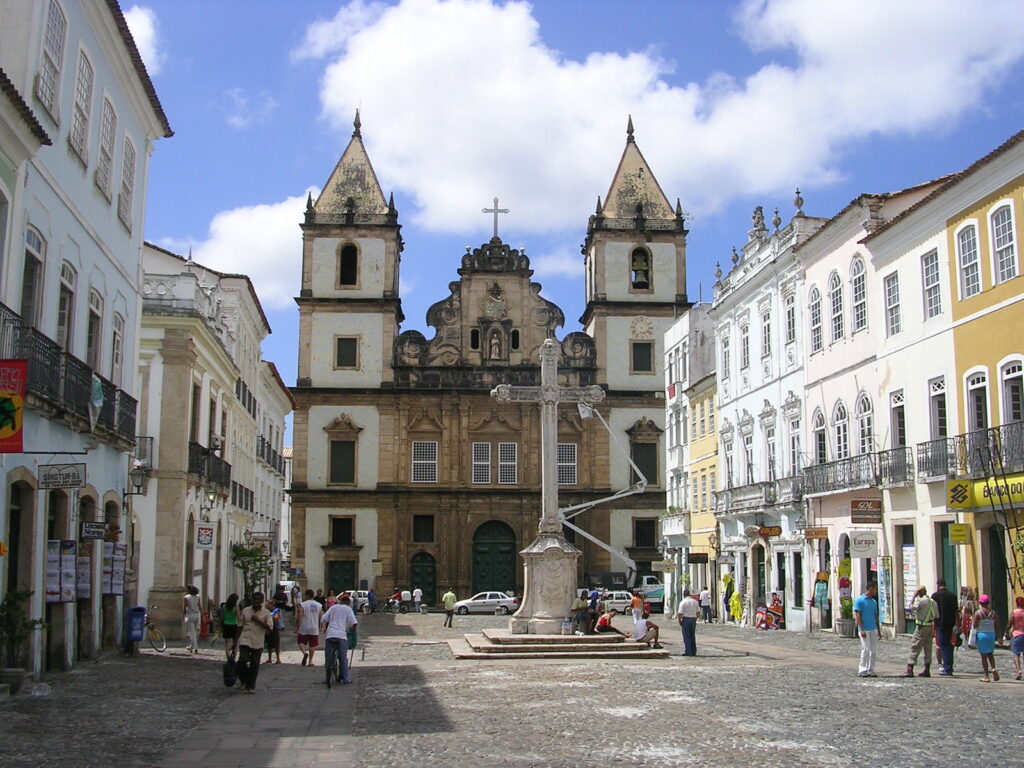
206, 508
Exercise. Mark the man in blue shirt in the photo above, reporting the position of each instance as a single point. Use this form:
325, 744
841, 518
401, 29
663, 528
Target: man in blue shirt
865, 609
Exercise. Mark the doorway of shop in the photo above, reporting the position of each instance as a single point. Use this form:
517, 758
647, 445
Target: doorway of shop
494, 557
997, 570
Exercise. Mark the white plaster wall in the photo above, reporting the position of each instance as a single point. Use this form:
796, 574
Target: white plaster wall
318, 534
367, 445
619, 421
327, 326
617, 262
619, 335
325, 268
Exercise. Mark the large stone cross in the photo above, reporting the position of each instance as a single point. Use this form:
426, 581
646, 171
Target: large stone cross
495, 210
549, 395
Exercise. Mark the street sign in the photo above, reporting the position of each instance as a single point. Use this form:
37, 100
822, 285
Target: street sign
55, 476
93, 530
815, 533
765, 531
959, 533
866, 511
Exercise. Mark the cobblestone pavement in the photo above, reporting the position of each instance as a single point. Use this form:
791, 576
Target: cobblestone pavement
749, 698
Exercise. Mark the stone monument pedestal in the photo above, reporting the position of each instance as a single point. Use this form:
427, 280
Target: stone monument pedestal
550, 565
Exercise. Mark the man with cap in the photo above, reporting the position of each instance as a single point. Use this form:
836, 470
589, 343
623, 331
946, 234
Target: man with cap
924, 612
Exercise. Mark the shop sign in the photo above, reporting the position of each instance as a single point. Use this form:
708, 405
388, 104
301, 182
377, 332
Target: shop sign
815, 533
697, 557
967, 494
866, 511
661, 566
864, 544
959, 533
93, 530
54, 476
767, 531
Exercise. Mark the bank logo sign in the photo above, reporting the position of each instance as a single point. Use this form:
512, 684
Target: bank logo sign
989, 492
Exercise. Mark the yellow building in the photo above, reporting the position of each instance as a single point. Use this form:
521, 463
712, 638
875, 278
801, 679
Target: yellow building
703, 473
984, 239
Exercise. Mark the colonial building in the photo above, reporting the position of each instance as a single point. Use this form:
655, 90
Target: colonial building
406, 472
212, 418
78, 119
759, 504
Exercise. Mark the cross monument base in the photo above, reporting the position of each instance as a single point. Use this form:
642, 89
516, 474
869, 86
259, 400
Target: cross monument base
550, 565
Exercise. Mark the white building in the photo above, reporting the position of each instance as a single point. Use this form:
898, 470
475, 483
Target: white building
71, 217
758, 320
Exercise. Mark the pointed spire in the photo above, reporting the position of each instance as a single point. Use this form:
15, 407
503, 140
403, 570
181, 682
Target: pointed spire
629, 130
352, 187
599, 210
358, 124
391, 203
633, 184
679, 209
309, 201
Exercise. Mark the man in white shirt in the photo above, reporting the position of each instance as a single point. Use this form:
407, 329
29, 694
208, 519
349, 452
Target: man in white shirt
705, 604
687, 614
417, 598
646, 631
335, 624
307, 626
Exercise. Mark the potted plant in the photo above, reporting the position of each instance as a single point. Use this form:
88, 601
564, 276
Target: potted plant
846, 626
15, 629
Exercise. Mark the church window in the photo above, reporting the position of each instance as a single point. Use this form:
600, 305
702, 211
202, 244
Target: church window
346, 352
474, 339
642, 357
343, 531
424, 461
645, 456
766, 334
348, 265
645, 532
343, 462
514, 340
423, 529
508, 469
567, 463
790, 319
481, 463
640, 269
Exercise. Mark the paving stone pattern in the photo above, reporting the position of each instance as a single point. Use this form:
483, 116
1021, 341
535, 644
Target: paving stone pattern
750, 698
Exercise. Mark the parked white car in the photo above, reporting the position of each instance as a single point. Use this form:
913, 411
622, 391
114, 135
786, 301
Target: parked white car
487, 602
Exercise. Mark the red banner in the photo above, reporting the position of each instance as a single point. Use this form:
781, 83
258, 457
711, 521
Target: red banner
12, 404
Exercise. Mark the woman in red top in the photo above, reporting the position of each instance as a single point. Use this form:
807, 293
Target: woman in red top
604, 624
1015, 634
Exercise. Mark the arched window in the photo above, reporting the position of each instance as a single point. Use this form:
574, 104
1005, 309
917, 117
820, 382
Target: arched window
474, 339
835, 301
348, 265
841, 421
977, 401
640, 269
1013, 391
814, 305
820, 439
514, 339
859, 295
865, 425
1004, 251
94, 330
967, 255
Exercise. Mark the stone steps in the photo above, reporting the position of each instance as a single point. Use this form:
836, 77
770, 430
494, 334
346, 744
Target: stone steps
507, 646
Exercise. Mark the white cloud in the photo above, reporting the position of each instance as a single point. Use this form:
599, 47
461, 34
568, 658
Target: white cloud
143, 24
561, 262
261, 241
244, 111
461, 100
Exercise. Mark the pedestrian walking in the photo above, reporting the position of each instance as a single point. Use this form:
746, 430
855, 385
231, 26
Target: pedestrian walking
307, 626
1015, 634
448, 599
190, 615
705, 604
986, 624
636, 606
335, 624
371, 600
687, 614
417, 598
229, 624
579, 612
865, 611
923, 609
945, 625
274, 635
255, 623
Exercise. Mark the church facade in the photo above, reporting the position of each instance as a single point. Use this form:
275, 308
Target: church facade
406, 472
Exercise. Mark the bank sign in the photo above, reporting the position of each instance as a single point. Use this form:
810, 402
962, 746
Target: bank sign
993, 491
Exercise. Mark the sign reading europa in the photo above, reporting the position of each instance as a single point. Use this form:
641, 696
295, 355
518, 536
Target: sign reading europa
864, 544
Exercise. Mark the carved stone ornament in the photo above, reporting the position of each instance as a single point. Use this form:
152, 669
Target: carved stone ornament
746, 422
644, 428
725, 430
424, 421
791, 405
641, 328
767, 415
494, 419
343, 425
493, 306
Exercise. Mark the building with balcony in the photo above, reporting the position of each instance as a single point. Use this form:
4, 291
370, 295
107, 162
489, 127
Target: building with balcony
757, 314
78, 120
854, 414
689, 529
215, 414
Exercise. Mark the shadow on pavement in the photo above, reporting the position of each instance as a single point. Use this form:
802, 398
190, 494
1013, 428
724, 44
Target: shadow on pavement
398, 699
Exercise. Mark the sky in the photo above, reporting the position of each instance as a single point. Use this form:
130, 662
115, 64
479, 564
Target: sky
734, 104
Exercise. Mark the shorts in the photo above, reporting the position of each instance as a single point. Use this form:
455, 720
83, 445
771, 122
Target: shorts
1017, 644
229, 631
311, 640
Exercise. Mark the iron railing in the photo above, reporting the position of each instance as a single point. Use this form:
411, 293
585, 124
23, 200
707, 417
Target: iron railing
845, 474
207, 465
895, 467
936, 458
108, 411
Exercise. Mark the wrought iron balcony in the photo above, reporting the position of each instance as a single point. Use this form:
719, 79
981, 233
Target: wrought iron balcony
991, 451
895, 467
843, 475
207, 465
936, 459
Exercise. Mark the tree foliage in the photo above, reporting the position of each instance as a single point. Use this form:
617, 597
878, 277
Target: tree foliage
254, 562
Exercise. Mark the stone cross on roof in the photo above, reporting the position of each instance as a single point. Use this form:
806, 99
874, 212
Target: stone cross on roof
495, 210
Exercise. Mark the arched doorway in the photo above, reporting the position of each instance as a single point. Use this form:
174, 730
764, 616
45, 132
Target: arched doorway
758, 581
494, 557
423, 574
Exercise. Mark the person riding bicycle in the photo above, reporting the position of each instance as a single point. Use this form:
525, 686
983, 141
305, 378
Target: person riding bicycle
335, 624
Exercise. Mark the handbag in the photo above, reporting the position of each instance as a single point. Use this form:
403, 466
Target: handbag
972, 639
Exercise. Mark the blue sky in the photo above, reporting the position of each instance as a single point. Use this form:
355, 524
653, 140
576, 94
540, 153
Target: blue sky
735, 104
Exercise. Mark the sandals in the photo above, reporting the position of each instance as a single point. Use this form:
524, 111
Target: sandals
995, 676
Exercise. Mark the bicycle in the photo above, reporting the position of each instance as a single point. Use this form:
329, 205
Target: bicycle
332, 665
155, 636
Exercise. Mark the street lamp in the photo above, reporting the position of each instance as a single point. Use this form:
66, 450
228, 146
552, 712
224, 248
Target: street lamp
248, 536
204, 509
137, 479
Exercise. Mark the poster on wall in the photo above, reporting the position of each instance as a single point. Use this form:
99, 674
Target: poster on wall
83, 582
61, 570
206, 535
885, 588
53, 571
13, 374
909, 577
114, 556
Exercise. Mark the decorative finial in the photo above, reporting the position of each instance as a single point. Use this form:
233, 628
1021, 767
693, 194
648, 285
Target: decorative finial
735, 256
309, 201
679, 209
600, 209
799, 203
391, 203
468, 249
189, 253
358, 124
718, 270
629, 130
776, 219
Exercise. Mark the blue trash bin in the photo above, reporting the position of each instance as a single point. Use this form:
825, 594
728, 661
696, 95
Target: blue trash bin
136, 623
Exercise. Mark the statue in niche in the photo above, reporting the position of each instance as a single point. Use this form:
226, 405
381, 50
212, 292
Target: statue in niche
495, 346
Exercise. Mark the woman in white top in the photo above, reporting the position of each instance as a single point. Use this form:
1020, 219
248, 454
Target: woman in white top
190, 614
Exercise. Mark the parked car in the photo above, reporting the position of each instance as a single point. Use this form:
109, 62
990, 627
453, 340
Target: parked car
618, 599
360, 599
487, 602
